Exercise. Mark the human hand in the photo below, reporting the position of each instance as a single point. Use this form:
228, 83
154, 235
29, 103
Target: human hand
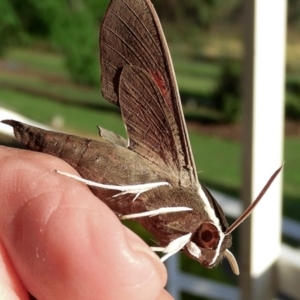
58, 241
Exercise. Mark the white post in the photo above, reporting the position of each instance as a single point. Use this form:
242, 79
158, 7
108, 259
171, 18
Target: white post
263, 89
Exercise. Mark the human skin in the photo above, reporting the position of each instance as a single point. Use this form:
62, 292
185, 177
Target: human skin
58, 241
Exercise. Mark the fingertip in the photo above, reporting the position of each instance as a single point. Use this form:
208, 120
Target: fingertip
10, 285
143, 252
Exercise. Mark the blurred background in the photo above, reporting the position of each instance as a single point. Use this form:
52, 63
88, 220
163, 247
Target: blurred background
49, 72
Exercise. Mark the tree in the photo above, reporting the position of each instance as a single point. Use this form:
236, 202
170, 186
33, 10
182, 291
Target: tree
71, 27
10, 27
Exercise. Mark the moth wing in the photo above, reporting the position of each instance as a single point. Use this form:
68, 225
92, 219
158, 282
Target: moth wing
131, 34
150, 124
112, 137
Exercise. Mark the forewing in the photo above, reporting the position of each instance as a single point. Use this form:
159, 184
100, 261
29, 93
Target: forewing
131, 34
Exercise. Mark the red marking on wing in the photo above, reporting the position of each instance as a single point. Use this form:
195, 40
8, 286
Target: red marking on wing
164, 89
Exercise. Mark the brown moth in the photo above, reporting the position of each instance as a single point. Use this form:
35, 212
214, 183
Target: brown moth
153, 172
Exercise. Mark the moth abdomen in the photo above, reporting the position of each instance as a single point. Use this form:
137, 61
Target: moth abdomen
67, 147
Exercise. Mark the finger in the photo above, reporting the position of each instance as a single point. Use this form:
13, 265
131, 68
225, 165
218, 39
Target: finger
164, 295
10, 285
63, 241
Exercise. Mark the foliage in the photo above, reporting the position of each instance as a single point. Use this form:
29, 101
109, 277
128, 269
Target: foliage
292, 103
77, 36
70, 26
293, 12
10, 27
204, 13
227, 95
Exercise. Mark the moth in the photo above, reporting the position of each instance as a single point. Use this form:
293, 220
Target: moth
151, 177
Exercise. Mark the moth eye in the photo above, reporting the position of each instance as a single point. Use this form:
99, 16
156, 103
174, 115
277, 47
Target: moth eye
207, 236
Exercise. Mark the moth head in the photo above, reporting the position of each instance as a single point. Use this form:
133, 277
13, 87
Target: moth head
210, 242
209, 245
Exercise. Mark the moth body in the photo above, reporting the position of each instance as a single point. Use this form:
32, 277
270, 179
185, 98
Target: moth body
99, 161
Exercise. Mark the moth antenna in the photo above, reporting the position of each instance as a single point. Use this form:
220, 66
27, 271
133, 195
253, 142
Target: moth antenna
232, 261
250, 208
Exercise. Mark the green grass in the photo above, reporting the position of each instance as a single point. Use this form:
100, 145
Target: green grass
292, 157
198, 69
50, 63
45, 110
291, 181
58, 91
195, 85
195, 80
217, 160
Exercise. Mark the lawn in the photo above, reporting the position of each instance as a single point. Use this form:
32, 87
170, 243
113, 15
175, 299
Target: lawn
76, 118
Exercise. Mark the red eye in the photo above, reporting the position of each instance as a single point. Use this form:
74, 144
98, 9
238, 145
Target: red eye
207, 236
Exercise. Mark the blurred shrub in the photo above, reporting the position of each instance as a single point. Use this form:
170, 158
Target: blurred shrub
10, 27
204, 13
293, 13
292, 101
72, 27
77, 36
227, 96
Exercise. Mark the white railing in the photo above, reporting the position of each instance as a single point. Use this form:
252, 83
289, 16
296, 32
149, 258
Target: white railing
267, 266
